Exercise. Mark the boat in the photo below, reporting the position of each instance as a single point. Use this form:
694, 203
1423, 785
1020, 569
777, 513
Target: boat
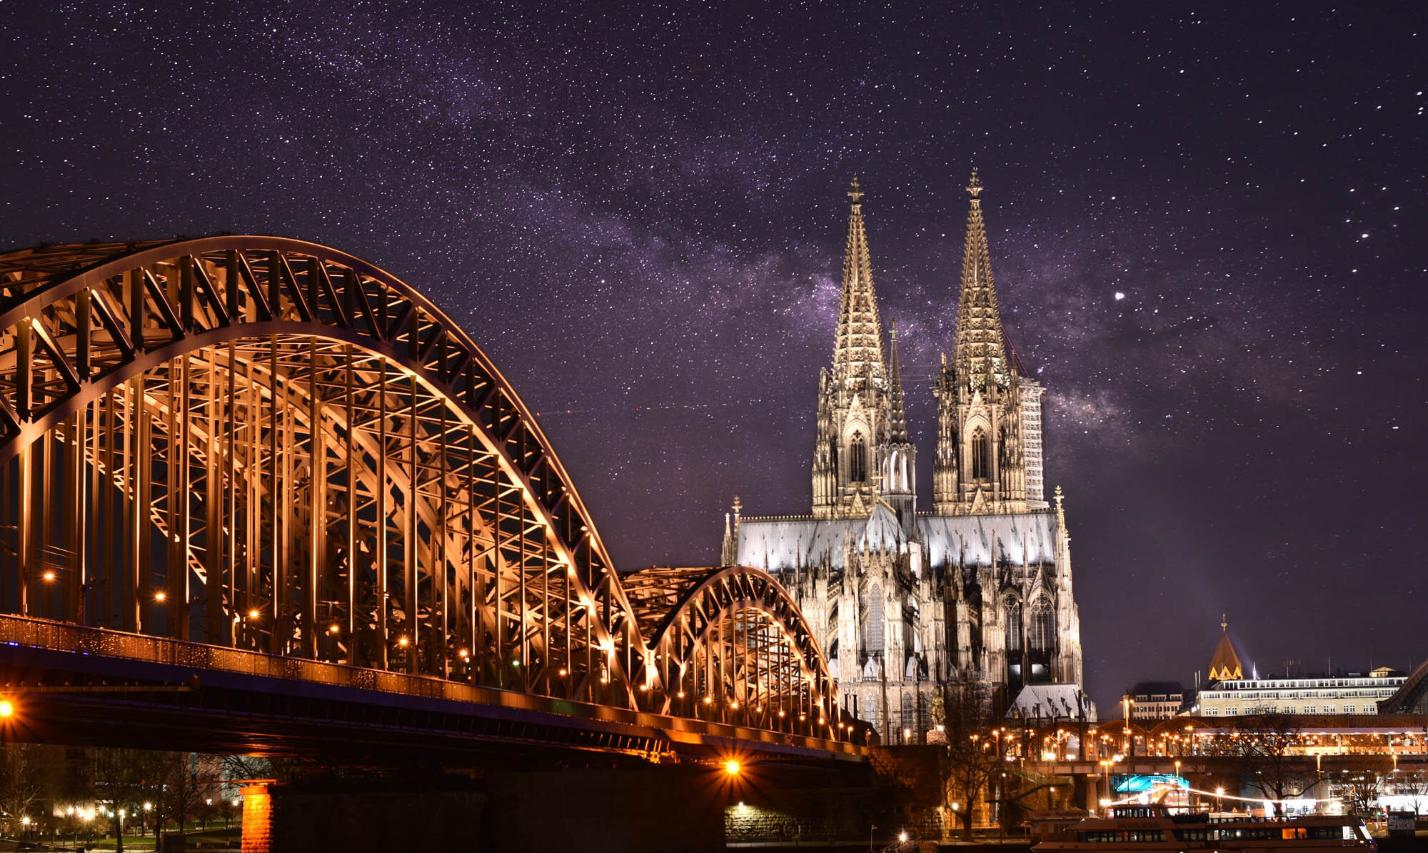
1150, 828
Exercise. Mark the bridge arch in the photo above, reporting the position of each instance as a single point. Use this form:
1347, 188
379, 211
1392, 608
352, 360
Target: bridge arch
199, 368
268, 444
731, 645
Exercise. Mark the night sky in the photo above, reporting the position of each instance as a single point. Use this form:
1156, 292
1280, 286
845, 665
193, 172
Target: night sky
1209, 230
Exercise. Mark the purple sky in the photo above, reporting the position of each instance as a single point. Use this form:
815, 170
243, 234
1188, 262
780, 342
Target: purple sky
1209, 232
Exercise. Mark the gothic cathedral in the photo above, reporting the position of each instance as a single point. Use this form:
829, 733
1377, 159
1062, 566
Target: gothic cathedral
909, 605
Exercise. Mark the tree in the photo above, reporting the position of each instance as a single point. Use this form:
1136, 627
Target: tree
128, 778
973, 751
1361, 794
1261, 745
20, 784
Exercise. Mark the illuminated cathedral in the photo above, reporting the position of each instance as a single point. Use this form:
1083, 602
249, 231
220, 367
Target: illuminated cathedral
911, 605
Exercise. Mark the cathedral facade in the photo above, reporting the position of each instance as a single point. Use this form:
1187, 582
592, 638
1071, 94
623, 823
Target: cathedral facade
909, 605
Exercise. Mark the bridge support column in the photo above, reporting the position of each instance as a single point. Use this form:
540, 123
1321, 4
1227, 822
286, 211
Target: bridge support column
257, 816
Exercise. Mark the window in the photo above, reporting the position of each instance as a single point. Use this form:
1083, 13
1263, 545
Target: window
1043, 630
1013, 613
981, 455
857, 459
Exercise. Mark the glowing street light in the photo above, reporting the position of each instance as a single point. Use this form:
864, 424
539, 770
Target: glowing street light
160, 596
732, 768
254, 613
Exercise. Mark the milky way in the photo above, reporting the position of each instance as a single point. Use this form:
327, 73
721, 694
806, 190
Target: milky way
1208, 230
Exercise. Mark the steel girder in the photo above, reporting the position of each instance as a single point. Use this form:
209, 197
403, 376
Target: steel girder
732, 646
264, 443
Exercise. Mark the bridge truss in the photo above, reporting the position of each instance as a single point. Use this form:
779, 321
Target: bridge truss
269, 445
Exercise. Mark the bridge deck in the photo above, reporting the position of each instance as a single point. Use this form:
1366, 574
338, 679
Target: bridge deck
83, 684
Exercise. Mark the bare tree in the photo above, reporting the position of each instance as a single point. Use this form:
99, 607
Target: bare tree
20, 784
973, 753
127, 778
1261, 745
1360, 794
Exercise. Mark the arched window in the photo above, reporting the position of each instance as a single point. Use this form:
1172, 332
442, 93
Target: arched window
981, 455
1013, 623
873, 622
857, 459
1043, 627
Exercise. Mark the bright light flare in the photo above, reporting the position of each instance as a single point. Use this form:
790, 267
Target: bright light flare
7, 709
732, 768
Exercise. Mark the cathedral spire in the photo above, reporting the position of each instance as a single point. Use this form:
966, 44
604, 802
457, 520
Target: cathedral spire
858, 347
979, 346
897, 427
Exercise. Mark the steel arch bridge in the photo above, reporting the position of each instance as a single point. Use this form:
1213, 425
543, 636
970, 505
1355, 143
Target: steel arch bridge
268, 452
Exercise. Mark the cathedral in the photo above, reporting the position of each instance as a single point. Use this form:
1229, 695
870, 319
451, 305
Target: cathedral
911, 605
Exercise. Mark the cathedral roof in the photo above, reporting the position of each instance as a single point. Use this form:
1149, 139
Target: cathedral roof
1224, 663
1051, 700
783, 544
883, 531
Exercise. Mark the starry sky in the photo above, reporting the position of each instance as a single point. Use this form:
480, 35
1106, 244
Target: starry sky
1209, 229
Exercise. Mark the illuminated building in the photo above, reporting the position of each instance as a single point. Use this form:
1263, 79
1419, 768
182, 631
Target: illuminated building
1224, 663
907, 604
1155, 700
1230, 694
1352, 693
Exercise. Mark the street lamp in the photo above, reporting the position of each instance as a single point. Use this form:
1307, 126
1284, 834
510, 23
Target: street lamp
7, 709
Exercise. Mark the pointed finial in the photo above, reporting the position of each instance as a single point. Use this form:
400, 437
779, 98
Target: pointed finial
856, 191
738, 505
1059, 496
974, 186
1224, 622
893, 331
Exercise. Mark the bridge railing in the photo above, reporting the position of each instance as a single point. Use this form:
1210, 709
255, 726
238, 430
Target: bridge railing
193, 659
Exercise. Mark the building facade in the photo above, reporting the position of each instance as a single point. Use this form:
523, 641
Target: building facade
1150, 701
907, 605
1230, 694
1350, 693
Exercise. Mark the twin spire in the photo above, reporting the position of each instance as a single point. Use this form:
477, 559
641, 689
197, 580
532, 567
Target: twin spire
858, 344
979, 347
